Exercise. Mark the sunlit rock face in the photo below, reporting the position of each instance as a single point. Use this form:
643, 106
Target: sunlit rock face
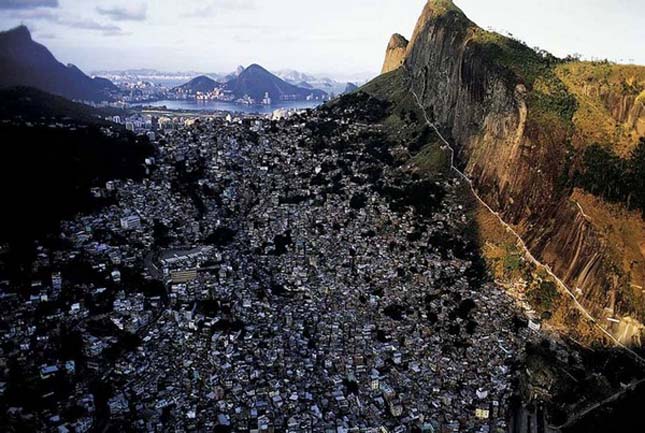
395, 53
515, 122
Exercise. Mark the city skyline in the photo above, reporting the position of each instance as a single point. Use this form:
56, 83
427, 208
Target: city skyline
218, 35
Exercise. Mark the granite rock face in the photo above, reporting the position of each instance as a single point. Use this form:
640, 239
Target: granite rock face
395, 53
511, 121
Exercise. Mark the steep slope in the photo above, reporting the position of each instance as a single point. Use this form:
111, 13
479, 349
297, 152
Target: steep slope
24, 62
32, 105
395, 53
201, 84
516, 118
255, 81
611, 103
53, 151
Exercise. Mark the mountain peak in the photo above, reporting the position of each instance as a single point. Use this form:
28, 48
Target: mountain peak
444, 11
397, 41
28, 63
254, 68
20, 33
202, 78
443, 6
395, 53
201, 83
255, 82
439, 8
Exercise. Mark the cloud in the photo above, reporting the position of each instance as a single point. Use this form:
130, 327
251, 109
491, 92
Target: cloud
34, 14
132, 12
28, 4
235, 5
242, 39
116, 32
208, 9
45, 35
88, 25
70, 21
199, 12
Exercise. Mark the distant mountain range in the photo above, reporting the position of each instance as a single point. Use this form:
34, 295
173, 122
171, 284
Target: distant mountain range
228, 77
24, 62
254, 82
180, 79
201, 84
163, 78
329, 85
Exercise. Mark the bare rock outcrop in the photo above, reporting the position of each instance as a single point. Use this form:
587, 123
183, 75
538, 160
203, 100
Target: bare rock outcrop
510, 118
395, 53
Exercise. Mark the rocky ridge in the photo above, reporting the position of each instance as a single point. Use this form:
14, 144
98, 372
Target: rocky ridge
514, 119
24, 62
395, 53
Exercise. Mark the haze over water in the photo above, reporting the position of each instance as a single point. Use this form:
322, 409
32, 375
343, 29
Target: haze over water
196, 105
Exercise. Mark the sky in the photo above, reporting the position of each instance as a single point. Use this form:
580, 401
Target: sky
344, 38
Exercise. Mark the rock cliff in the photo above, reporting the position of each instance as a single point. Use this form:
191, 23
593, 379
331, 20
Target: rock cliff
395, 53
516, 119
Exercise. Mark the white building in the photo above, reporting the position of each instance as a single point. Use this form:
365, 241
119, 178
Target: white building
132, 222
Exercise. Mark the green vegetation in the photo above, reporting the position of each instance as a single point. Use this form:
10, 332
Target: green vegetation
551, 98
615, 179
527, 64
512, 262
604, 92
432, 159
543, 296
392, 86
405, 123
550, 103
440, 7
